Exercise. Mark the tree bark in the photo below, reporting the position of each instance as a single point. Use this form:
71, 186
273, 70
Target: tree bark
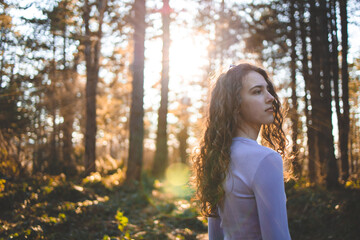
183, 135
53, 162
327, 141
307, 79
314, 86
133, 173
294, 105
161, 154
344, 133
68, 112
92, 55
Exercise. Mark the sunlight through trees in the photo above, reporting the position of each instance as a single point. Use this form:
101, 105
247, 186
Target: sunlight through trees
113, 95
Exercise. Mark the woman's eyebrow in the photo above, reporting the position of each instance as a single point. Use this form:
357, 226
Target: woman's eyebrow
259, 86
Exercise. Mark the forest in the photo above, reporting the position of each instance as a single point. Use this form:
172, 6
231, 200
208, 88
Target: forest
103, 103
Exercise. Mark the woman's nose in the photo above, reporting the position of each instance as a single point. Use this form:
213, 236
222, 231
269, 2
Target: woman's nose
269, 97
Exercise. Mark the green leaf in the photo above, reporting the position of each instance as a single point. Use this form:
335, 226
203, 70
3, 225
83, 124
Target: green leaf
106, 237
122, 220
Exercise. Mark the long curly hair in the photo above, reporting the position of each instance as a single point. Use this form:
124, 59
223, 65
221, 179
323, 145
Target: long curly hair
212, 158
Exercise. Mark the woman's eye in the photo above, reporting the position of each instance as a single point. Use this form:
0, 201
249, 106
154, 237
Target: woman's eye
257, 92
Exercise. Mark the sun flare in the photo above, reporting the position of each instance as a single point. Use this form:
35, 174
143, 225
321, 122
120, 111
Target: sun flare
188, 56
188, 59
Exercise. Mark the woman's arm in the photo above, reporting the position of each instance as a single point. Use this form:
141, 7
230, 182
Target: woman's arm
269, 190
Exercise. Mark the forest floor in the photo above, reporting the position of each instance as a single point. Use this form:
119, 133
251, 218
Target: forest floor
101, 207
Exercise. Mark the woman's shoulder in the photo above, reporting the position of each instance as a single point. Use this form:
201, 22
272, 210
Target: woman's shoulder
249, 147
270, 153
249, 155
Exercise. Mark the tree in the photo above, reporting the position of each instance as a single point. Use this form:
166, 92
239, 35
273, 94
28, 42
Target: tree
161, 154
92, 56
326, 146
294, 99
184, 124
225, 28
134, 166
320, 70
354, 134
65, 18
14, 117
313, 157
344, 117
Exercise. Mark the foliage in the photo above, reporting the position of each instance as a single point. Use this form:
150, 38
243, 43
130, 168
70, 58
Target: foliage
122, 220
54, 207
96, 207
315, 213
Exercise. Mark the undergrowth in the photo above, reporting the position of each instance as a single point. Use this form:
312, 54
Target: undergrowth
101, 207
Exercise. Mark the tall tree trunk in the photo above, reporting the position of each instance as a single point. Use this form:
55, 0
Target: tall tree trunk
183, 135
307, 79
2, 51
355, 143
53, 161
352, 134
161, 154
133, 173
68, 112
335, 64
92, 55
327, 142
314, 85
294, 105
90, 89
344, 131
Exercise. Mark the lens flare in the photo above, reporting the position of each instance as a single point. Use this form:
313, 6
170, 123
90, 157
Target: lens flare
177, 174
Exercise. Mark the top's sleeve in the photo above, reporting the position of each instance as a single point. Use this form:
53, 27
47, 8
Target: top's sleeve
215, 231
269, 190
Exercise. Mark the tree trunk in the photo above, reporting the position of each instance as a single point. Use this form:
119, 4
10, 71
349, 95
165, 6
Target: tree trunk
53, 160
90, 89
2, 50
68, 112
344, 133
133, 173
161, 154
327, 141
335, 64
314, 86
352, 134
183, 135
294, 105
92, 55
307, 79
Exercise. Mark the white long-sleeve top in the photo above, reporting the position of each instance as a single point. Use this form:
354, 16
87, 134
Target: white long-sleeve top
255, 202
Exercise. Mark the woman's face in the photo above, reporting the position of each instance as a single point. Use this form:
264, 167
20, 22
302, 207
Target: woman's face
256, 106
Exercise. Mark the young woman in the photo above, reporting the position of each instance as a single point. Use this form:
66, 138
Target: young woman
240, 184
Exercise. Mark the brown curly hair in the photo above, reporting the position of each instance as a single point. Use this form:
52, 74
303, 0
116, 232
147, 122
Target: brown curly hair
212, 158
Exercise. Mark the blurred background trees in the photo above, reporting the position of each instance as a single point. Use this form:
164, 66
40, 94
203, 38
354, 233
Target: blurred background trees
82, 83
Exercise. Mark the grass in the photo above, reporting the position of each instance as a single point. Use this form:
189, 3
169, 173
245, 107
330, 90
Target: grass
100, 207
97, 207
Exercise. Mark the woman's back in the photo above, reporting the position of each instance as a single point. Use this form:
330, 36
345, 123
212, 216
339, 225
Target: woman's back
254, 203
